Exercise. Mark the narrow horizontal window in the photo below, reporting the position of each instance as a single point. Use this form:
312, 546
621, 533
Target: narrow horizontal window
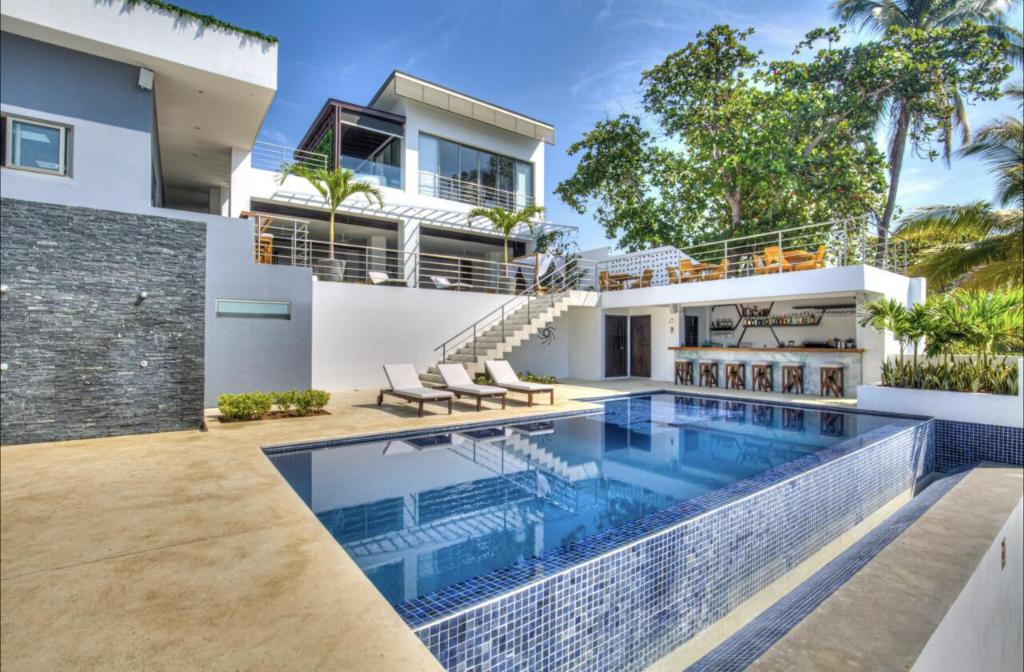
34, 145
270, 310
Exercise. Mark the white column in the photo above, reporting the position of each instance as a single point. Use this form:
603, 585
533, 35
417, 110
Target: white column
220, 201
241, 181
409, 248
377, 260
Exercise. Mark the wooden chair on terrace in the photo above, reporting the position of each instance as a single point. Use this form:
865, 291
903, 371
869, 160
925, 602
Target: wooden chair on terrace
646, 278
818, 261
774, 258
673, 275
718, 272
605, 282
688, 271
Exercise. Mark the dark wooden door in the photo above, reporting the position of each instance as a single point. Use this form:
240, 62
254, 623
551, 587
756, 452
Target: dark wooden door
615, 346
640, 346
690, 331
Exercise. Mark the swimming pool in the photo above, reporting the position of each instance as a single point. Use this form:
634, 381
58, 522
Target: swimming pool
430, 513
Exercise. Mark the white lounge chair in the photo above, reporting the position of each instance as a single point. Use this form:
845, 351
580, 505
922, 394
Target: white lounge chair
406, 385
505, 376
442, 282
382, 278
458, 381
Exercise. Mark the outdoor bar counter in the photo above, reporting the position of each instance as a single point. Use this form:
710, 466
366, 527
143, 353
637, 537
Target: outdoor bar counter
811, 358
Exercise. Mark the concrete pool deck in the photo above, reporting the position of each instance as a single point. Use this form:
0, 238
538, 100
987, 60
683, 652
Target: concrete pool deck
187, 550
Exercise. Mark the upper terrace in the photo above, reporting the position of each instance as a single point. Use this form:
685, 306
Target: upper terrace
777, 259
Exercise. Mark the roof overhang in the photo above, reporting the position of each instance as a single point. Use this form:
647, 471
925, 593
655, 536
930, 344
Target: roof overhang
212, 86
401, 85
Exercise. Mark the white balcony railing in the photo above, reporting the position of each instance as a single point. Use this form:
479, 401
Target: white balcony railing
269, 156
286, 241
432, 184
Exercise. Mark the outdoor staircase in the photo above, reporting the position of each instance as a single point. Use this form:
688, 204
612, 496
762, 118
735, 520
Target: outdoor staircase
504, 329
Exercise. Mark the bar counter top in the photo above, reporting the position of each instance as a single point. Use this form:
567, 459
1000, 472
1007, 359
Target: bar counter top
793, 349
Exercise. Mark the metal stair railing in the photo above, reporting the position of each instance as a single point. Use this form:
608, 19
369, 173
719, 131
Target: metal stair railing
552, 286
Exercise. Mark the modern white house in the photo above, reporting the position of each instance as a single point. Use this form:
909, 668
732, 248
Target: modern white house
146, 165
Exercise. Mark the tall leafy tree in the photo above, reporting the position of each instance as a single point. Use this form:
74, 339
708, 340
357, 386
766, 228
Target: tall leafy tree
334, 186
979, 245
934, 105
725, 147
731, 144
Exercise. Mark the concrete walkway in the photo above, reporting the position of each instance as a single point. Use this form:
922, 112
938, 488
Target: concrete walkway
187, 550
884, 615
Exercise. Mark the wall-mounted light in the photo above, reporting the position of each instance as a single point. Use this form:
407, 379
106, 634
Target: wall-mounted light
3, 366
3, 289
143, 363
142, 296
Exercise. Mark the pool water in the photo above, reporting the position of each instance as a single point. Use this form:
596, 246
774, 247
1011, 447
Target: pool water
422, 512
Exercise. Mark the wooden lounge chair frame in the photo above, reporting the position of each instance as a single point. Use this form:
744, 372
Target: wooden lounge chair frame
414, 395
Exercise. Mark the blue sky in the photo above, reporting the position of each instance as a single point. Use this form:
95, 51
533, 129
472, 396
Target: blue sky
566, 62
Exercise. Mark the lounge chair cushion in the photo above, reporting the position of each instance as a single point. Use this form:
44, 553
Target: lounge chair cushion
457, 379
504, 375
405, 381
422, 393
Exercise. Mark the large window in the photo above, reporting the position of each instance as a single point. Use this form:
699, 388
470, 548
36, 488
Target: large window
457, 172
35, 145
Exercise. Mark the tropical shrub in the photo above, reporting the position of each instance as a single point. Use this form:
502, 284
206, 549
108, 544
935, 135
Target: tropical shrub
987, 325
255, 405
311, 401
526, 377
285, 401
245, 406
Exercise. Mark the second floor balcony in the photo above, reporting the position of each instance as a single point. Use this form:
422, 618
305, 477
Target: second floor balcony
471, 193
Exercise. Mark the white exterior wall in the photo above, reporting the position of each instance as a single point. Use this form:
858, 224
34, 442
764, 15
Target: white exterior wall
423, 118
359, 328
548, 359
586, 356
983, 629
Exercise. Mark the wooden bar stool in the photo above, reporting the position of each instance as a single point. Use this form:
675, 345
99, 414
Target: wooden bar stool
684, 372
761, 376
709, 373
830, 377
793, 378
736, 375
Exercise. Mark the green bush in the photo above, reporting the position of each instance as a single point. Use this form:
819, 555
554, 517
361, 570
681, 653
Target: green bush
527, 377
285, 401
246, 406
311, 401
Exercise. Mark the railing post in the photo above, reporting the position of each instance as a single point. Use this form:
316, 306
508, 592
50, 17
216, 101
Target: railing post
474, 339
725, 257
503, 323
780, 251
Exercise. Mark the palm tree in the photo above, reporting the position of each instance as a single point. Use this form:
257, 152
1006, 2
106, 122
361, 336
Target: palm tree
334, 186
887, 315
880, 15
506, 221
980, 246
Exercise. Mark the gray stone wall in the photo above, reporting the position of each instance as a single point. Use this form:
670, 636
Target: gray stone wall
84, 356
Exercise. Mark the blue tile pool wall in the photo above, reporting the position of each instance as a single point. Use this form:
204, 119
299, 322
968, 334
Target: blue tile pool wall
960, 444
629, 607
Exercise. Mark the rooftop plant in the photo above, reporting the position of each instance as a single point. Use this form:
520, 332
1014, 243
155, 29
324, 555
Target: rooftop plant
205, 20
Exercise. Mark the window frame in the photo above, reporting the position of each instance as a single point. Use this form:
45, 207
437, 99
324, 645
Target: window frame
8, 155
253, 316
459, 143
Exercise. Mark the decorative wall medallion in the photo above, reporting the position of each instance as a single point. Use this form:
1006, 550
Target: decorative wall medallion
547, 335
